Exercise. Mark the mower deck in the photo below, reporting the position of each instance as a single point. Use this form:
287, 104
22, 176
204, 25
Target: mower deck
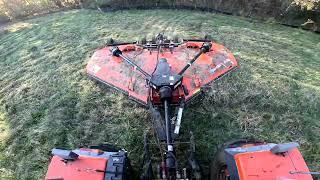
111, 70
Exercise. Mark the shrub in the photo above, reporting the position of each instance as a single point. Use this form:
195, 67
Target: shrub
13, 9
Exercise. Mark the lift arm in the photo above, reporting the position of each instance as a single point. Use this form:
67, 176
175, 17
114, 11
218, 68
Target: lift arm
204, 49
118, 53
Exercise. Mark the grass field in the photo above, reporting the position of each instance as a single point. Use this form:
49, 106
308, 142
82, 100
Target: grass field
46, 99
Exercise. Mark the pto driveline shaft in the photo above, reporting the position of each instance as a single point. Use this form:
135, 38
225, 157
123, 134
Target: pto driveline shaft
167, 119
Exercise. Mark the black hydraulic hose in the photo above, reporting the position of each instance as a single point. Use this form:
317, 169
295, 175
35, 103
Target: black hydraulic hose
205, 48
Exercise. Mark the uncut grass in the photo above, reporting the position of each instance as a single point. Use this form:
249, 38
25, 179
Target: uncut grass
47, 100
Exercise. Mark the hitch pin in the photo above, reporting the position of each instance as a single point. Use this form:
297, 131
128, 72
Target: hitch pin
178, 123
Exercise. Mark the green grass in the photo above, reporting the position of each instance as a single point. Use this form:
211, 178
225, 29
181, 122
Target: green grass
46, 99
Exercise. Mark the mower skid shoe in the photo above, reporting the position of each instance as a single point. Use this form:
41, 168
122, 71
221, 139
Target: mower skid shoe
158, 123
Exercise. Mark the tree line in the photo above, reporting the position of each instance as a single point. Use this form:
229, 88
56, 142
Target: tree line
15, 9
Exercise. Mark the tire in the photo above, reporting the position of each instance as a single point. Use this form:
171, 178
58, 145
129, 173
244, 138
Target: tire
219, 164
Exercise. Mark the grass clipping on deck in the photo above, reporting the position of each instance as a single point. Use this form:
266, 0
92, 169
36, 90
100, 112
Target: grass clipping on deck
48, 101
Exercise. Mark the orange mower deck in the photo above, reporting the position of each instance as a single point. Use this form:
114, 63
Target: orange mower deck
111, 70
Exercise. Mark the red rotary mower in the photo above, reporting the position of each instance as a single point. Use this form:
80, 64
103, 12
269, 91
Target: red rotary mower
165, 76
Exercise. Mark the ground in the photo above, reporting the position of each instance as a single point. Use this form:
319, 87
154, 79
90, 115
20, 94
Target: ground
46, 99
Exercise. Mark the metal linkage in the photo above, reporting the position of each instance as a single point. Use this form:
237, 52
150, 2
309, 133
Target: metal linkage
204, 49
118, 53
